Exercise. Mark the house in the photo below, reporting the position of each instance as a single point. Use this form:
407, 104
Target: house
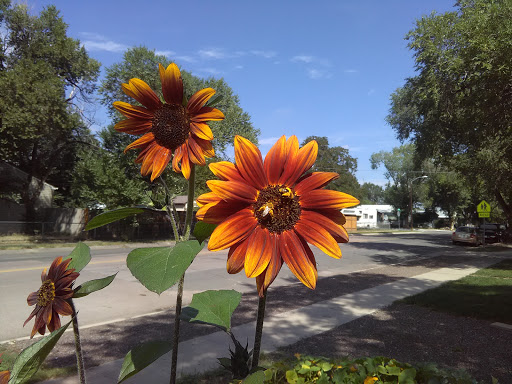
372, 216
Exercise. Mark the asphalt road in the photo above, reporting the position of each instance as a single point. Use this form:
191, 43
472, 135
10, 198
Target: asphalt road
126, 298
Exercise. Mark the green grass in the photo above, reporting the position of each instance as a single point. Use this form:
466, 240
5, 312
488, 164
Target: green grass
486, 295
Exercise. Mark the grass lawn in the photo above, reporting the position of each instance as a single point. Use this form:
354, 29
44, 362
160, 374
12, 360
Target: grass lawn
486, 295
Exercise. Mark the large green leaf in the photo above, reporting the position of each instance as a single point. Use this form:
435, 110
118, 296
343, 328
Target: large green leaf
80, 256
255, 378
141, 356
30, 359
203, 230
92, 286
160, 268
117, 214
212, 307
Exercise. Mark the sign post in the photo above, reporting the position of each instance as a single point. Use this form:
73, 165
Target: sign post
484, 210
398, 214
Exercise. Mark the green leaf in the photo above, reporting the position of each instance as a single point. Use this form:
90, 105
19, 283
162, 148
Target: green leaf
141, 356
255, 378
214, 100
92, 286
225, 362
80, 256
160, 268
115, 215
203, 230
291, 377
407, 376
30, 359
212, 307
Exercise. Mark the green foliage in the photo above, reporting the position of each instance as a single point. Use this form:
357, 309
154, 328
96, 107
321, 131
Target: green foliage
212, 307
142, 356
320, 370
92, 286
30, 359
372, 194
459, 105
336, 159
203, 230
41, 127
160, 268
115, 215
80, 256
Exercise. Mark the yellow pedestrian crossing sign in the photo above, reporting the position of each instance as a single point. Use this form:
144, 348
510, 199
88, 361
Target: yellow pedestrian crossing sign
483, 209
484, 206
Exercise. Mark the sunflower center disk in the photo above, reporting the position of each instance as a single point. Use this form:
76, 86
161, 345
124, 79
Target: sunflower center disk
46, 293
171, 126
277, 208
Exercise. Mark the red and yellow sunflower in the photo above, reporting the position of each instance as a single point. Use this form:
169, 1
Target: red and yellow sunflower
51, 299
267, 211
4, 375
168, 128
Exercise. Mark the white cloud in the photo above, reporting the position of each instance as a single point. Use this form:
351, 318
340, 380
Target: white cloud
165, 53
208, 70
187, 59
239, 67
97, 42
212, 53
264, 54
351, 71
268, 141
316, 74
303, 59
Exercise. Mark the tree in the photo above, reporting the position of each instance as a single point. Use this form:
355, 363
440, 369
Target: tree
459, 105
141, 62
401, 169
41, 127
336, 159
372, 194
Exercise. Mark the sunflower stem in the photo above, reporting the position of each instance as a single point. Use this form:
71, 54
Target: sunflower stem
179, 297
78, 345
259, 330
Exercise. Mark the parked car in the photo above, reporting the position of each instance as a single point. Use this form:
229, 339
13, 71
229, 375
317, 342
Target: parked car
493, 232
468, 235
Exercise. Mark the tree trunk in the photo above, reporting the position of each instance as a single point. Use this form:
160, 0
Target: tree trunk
506, 207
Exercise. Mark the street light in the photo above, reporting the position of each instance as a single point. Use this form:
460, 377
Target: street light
410, 197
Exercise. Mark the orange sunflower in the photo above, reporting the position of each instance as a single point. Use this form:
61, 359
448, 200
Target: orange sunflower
4, 375
51, 299
267, 211
168, 127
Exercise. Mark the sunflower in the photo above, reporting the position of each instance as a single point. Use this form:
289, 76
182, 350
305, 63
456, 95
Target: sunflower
168, 127
4, 375
268, 211
51, 299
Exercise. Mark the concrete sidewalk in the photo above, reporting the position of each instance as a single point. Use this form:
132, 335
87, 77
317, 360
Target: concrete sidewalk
200, 354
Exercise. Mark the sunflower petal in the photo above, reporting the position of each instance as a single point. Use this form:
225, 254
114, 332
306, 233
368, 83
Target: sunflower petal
318, 236
62, 307
161, 160
327, 199
132, 111
226, 171
172, 83
53, 268
198, 99
264, 280
259, 252
315, 180
32, 298
249, 162
143, 93
206, 146
133, 126
185, 163
236, 257
201, 130
207, 114
233, 190
315, 220
294, 255
234, 229
207, 198
147, 164
304, 160
195, 152
217, 212
292, 149
178, 155
275, 160
141, 142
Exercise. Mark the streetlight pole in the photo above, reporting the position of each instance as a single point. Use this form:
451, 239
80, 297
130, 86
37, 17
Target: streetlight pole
410, 197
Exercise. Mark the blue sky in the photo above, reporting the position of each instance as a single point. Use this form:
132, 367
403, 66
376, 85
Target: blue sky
324, 68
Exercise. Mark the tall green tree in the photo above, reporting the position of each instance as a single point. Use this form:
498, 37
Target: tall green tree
336, 159
372, 194
459, 105
44, 76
